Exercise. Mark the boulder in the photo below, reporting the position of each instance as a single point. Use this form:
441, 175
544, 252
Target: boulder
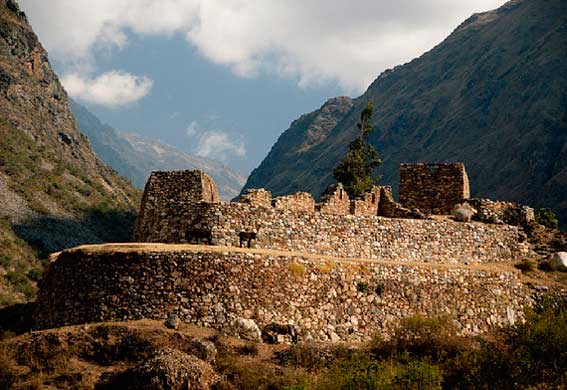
172, 322
277, 333
559, 261
463, 212
203, 349
169, 369
247, 329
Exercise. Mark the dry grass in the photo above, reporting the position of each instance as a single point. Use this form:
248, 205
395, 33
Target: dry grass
296, 269
327, 266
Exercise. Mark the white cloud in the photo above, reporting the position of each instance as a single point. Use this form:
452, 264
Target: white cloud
313, 40
192, 129
219, 145
215, 144
111, 89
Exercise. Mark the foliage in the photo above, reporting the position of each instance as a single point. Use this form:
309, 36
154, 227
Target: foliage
364, 373
424, 353
547, 218
526, 265
362, 286
357, 169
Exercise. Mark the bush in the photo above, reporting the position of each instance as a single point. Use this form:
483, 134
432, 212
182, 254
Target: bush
362, 286
5, 261
547, 218
35, 274
417, 376
363, 373
424, 337
525, 266
529, 355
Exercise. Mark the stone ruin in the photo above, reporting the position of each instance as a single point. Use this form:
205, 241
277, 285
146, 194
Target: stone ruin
335, 270
425, 189
183, 207
433, 188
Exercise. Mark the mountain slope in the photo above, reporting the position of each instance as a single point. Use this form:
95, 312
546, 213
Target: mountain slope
54, 191
136, 157
493, 95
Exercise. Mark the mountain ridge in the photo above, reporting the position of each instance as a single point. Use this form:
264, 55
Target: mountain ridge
55, 192
135, 157
492, 94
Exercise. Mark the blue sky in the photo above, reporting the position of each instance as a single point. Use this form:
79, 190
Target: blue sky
224, 78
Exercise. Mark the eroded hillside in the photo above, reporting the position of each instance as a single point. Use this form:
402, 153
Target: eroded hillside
54, 191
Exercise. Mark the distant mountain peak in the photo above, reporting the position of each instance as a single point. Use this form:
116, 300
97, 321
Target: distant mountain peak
135, 157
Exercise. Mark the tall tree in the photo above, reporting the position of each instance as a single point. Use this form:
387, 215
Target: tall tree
357, 170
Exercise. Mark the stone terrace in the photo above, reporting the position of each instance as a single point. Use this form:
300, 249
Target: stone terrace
327, 298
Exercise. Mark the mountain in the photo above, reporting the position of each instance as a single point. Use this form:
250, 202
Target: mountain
54, 191
493, 95
136, 157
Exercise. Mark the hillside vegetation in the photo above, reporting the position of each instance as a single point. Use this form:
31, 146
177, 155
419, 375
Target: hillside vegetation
424, 353
54, 191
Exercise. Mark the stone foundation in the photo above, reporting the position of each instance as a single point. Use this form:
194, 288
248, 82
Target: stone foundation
326, 298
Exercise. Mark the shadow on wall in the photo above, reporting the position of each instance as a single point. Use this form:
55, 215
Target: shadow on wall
48, 234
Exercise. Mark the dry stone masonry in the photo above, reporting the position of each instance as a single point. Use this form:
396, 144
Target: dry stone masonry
354, 236
336, 226
433, 188
341, 269
327, 299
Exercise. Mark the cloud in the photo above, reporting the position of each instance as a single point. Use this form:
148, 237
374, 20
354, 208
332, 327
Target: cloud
215, 144
111, 89
219, 145
311, 41
192, 129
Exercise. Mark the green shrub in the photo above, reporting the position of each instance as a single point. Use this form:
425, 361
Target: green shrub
530, 355
379, 290
418, 376
35, 274
362, 286
5, 261
525, 266
21, 283
547, 218
420, 337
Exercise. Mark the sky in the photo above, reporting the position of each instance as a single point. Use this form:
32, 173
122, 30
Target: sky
224, 78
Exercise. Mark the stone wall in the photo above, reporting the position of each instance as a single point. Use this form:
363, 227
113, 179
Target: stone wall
369, 203
339, 235
257, 197
163, 188
389, 208
328, 299
433, 188
335, 200
490, 211
300, 201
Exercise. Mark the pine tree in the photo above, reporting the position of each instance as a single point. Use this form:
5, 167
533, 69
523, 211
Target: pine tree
357, 169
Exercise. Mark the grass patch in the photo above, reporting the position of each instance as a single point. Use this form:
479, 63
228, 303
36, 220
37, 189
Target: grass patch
296, 269
326, 267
